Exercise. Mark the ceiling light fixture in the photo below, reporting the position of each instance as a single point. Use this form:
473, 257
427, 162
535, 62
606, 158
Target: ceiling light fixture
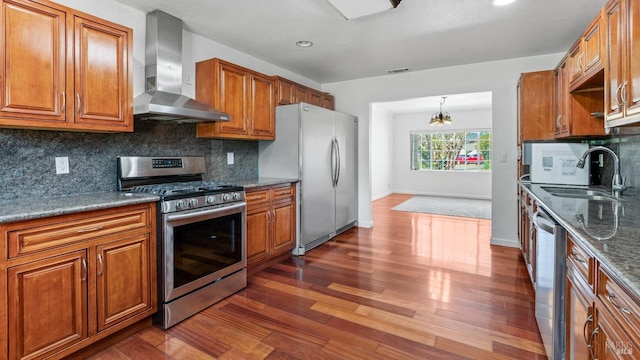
440, 118
502, 2
304, 43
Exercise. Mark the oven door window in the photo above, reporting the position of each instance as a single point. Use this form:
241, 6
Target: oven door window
205, 247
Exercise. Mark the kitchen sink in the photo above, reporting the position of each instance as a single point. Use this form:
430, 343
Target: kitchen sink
580, 193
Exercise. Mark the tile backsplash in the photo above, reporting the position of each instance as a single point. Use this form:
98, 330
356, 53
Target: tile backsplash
625, 143
27, 157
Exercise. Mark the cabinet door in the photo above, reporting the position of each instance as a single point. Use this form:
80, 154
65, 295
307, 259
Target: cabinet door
299, 94
258, 235
563, 102
631, 92
592, 47
232, 97
328, 102
262, 110
284, 89
612, 341
579, 318
284, 227
102, 89
34, 73
123, 280
47, 305
615, 80
535, 105
315, 97
574, 60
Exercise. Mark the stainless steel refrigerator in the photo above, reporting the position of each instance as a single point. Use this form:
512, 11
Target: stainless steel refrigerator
319, 147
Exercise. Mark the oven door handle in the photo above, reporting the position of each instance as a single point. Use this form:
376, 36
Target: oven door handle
190, 215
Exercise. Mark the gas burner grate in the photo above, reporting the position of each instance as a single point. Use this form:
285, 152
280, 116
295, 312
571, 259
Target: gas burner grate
177, 188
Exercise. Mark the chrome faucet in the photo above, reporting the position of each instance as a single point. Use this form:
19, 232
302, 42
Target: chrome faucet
617, 183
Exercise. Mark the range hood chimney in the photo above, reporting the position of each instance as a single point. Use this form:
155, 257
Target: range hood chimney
163, 99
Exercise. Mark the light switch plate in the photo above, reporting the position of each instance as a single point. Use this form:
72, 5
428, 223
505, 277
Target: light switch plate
229, 158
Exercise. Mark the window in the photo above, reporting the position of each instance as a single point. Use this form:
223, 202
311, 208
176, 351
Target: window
451, 151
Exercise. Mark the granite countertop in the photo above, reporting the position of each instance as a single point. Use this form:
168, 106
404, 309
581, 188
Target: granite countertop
26, 209
608, 228
262, 181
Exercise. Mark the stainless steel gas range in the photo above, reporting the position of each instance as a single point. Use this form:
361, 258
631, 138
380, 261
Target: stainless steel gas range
202, 252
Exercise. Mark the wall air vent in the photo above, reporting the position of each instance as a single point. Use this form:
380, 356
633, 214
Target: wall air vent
398, 70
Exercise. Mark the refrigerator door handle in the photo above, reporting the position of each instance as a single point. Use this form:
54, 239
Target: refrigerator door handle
333, 162
339, 166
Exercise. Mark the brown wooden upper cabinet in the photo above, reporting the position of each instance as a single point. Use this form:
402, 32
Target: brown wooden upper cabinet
586, 57
244, 94
575, 112
289, 92
63, 69
535, 106
622, 76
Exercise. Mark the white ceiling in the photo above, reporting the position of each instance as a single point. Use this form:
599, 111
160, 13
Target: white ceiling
418, 34
467, 101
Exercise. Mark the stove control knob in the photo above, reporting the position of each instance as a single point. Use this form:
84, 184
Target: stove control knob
236, 196
211, 199
181, 204
193, 202
226, 197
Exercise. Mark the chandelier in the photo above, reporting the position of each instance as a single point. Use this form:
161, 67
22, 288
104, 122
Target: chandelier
440, 118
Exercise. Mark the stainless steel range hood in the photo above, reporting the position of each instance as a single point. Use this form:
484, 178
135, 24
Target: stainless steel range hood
163, 99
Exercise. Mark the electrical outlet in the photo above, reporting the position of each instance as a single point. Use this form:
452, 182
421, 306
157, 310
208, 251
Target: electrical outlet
62, 165
229, 158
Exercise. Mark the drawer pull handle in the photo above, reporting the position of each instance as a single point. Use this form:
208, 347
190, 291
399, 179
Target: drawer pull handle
611, 296
81, 231
251, 198
578, 258
84, 270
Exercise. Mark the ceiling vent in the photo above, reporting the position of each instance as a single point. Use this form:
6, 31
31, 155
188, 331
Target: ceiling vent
398, 70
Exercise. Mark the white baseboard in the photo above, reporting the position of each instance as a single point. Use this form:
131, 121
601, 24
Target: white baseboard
504, 242
377, 197
464, 196
365, 224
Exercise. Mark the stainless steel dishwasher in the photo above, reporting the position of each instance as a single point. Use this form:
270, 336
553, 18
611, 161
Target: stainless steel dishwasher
550, 285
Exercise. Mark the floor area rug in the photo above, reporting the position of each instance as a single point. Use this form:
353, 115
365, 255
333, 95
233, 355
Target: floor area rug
451, 206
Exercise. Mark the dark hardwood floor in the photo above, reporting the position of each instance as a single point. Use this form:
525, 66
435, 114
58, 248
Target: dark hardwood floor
414, 286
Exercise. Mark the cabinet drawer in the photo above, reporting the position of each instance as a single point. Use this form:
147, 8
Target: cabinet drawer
580, 259
618, 302
283, 192
39, 235
257, 198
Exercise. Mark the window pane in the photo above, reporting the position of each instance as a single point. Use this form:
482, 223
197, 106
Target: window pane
446, 151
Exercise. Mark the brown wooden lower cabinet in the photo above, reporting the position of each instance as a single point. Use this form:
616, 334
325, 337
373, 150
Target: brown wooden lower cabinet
579, 317
271, 224
602, 319
69, 294
613, 342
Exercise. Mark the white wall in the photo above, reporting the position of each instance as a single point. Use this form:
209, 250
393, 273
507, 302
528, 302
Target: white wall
382, 150
355, 97
499, 77
194, 47
472, 184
